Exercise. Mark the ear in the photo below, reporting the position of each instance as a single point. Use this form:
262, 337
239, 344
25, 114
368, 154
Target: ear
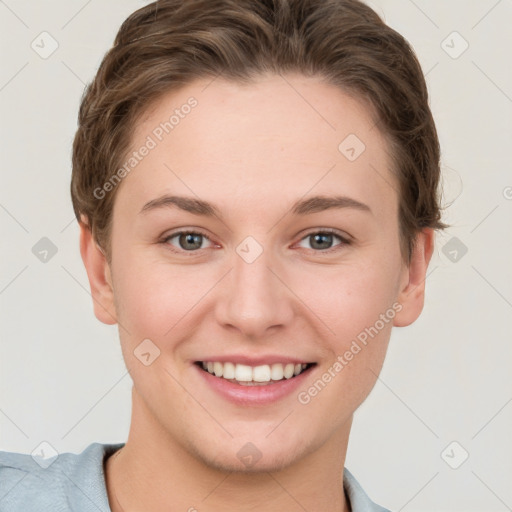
412, 288
100, 278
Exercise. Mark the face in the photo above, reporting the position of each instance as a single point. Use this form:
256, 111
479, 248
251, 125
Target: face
258, 231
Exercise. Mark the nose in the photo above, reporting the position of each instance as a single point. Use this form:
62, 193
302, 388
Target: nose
254, 299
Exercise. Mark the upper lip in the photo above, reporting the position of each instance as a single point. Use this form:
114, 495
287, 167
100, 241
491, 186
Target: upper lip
253, 360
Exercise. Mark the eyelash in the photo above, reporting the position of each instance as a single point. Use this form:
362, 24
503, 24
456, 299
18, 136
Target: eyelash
329, 231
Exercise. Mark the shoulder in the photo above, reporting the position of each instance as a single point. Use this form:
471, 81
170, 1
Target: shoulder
359, 500
62, 483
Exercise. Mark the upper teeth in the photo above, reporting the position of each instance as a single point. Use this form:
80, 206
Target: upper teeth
245, 373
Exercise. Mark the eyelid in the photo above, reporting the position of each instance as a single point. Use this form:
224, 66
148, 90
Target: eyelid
345, 239
344, 236
194, 231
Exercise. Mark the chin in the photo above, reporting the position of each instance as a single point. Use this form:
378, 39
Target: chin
258, 455
267, 463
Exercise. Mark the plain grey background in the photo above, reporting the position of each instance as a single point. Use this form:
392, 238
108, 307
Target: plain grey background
434, 435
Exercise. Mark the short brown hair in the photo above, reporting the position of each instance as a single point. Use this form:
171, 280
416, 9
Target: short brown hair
167, 44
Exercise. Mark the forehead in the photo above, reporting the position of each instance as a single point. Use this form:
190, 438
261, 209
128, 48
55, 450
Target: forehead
278, 135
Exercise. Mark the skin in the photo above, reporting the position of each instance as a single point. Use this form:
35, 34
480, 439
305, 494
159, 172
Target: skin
251, 150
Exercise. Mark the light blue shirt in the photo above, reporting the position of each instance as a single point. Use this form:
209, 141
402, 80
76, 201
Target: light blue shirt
76, 483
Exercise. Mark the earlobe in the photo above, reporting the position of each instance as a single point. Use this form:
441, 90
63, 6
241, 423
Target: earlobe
412, 293
100, 279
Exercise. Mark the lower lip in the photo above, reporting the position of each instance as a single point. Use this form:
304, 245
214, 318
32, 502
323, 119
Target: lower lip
253, 395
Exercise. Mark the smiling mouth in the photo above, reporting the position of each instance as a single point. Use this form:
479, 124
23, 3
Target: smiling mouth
261, 375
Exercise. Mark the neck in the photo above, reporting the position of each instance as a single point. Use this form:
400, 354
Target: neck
155, 472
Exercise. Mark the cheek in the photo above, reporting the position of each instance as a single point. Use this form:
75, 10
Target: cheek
357, 303
351, 298
162, 302
151, 296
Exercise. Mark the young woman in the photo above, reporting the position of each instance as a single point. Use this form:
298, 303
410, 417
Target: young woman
256, 183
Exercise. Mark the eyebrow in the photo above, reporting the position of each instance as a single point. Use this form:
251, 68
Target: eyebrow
320, 203
189, 204
308, 206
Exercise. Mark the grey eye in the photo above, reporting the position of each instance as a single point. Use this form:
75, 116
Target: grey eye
320, 240
190, 241
187, 241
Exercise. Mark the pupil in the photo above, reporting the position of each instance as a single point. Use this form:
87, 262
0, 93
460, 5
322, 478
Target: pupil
322, 241
190, 238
